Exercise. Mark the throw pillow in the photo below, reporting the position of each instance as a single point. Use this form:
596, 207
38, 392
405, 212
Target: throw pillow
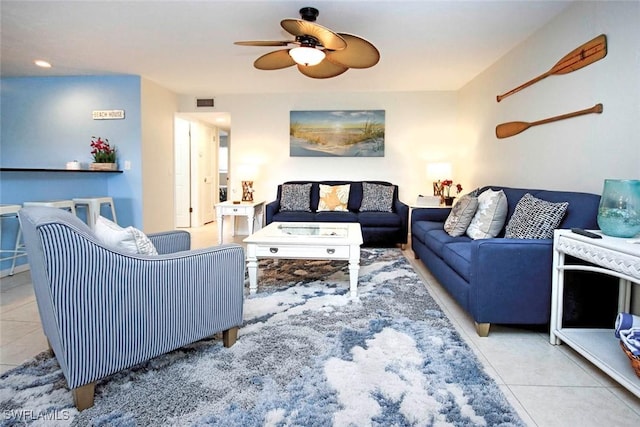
130, 239
490, 216
535, 218
295, 197
334, 197
461, 215
376, 197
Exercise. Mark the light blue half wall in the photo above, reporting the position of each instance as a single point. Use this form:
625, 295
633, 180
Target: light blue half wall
46, 122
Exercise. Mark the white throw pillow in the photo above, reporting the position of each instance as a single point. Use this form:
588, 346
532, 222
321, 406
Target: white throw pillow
334, 197
490, 216
130, 239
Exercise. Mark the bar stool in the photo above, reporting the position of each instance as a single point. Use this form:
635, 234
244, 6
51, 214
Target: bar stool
93, 206
60, 204
11, 211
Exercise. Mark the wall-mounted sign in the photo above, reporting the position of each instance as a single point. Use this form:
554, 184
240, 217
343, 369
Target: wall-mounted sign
108, 114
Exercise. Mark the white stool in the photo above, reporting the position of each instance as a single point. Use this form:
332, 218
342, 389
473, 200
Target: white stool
11, 211
93, 205
60, 204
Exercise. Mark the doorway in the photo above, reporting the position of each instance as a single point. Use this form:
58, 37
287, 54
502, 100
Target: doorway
223, 166
196, 145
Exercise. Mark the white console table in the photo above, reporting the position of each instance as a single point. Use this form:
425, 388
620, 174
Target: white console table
610, 255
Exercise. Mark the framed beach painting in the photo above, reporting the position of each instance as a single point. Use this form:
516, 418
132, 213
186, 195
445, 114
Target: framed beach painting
336, 133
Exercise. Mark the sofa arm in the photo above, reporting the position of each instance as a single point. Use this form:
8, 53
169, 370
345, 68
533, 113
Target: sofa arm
511, 280
402, 210
430, 214
270, 210
171, 241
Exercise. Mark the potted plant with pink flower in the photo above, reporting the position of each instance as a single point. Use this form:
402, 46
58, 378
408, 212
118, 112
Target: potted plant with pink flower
104, 155
445, 186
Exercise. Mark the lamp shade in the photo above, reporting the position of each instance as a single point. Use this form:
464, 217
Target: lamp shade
247, 171
439, 171
307, 55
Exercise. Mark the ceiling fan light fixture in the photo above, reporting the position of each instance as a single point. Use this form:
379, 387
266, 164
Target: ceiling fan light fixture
307, 56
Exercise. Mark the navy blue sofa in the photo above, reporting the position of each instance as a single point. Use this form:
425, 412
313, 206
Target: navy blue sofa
499, 280
378, 228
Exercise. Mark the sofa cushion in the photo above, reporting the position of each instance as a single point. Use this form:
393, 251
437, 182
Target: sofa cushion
461, 215
490, 217
377, 197
379, 219
333, 197
458, 256
437, 239
298, 216
535, 218
296, 197
329, 216
419, 229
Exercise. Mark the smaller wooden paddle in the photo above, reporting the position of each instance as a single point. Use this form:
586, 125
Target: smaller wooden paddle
506, 130
588, 53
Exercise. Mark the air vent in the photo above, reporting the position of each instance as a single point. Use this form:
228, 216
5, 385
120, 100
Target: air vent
201, 102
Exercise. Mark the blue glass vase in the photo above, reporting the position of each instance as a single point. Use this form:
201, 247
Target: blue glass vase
619, 210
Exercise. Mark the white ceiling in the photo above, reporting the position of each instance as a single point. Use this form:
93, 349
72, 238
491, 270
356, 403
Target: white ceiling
187, 46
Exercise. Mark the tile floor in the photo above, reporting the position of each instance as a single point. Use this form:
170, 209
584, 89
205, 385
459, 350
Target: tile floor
548, 385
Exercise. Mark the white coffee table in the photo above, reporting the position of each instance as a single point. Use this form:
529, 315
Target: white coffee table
302, 240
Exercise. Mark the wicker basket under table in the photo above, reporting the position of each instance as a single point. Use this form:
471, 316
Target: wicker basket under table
635, 360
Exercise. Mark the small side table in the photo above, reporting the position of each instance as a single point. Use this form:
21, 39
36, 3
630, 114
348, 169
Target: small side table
613, 256
251, 210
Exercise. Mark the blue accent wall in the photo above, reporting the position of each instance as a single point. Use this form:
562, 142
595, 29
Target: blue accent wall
46, 122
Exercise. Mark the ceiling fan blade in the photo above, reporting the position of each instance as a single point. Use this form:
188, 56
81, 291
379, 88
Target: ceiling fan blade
359, 53
323, 70
274, 60
325, 36
263, 43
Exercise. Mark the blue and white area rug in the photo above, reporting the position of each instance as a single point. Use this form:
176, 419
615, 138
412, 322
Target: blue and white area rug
307, 355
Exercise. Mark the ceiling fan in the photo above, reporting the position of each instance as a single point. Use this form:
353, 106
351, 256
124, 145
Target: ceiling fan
319, 52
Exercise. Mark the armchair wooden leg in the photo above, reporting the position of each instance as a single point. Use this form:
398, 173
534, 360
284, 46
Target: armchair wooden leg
229, 336
483, 329
83, 396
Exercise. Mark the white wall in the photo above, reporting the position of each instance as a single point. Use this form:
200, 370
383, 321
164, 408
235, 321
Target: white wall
157, 111
573, 154
420, 127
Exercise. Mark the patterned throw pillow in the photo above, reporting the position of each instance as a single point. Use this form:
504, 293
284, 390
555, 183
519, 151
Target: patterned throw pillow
534, 218
490, 216
295, 197
461, 215
130, 239
334, 197
376, 197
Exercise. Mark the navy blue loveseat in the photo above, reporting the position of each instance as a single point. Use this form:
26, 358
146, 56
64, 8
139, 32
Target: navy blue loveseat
498, 280
378, 228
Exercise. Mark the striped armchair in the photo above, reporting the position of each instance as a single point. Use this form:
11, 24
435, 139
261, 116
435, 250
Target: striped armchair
103, 310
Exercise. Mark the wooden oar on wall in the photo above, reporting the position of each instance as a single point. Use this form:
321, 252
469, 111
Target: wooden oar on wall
506, 130
582, 56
